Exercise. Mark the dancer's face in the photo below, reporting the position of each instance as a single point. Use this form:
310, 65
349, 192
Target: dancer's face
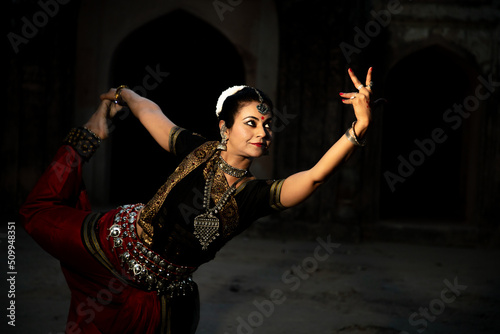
251, 134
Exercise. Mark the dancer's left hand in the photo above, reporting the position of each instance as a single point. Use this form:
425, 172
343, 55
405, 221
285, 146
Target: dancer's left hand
360, 100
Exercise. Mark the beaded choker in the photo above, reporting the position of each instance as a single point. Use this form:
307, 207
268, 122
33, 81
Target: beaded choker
230, 170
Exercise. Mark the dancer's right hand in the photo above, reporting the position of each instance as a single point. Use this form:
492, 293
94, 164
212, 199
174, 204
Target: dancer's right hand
98, 122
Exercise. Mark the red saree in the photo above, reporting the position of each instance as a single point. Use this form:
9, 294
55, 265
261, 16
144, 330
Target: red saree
101, 302
120, 283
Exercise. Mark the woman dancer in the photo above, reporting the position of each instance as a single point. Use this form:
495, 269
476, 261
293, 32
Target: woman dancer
129, 270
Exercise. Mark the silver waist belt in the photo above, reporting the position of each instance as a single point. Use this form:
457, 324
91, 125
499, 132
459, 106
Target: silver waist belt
145, 267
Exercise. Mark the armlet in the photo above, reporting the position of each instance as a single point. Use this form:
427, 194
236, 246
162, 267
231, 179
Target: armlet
275, 194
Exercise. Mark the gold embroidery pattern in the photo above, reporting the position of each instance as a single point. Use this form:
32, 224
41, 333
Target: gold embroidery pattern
193, 160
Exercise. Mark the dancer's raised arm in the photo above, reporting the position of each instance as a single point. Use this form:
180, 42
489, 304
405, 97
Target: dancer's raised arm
298, 187
148, 113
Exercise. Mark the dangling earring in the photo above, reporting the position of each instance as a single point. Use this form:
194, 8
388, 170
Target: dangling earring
222, 145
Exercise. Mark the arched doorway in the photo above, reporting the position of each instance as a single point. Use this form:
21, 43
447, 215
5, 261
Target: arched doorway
423, 155
181, 63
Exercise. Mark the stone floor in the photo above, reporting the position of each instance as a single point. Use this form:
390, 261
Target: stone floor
294, 286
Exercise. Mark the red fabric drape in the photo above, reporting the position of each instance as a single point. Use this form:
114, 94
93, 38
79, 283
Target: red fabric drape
53, 215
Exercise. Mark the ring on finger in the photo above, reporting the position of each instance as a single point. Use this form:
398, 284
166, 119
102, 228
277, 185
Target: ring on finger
370, 85
352, 97
359, 87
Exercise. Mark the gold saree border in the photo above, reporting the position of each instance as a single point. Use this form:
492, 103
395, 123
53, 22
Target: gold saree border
190, 163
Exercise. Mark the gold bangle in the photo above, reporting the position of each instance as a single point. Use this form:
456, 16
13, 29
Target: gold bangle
118, 96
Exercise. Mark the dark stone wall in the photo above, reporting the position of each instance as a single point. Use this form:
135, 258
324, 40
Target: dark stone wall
40, 93
488, 208
312, 71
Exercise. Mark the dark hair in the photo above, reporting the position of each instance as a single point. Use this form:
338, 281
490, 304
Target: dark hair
234, 102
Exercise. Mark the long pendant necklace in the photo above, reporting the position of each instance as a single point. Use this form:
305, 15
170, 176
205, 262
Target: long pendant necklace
206, 225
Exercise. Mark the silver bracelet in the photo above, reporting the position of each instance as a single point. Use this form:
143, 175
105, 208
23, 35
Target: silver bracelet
354, 139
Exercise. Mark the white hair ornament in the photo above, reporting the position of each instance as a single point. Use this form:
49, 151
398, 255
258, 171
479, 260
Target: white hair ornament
228, 92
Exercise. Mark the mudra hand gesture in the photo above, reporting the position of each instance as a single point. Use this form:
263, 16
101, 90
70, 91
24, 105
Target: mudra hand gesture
108, 108
360, 101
